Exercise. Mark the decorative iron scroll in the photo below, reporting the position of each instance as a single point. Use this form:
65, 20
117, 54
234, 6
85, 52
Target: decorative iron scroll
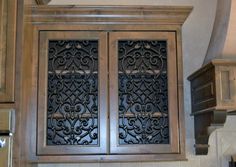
72, 113
143, 92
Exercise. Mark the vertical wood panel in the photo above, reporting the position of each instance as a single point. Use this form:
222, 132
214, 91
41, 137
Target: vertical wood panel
225, 85
7, 49
3, 27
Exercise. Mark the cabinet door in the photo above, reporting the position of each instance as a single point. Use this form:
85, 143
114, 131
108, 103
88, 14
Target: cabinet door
72, 93
7, 49
143, 93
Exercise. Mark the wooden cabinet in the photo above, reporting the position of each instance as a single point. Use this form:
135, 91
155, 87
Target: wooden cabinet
107, 84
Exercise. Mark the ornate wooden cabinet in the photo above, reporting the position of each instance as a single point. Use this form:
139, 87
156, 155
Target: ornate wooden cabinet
108, 84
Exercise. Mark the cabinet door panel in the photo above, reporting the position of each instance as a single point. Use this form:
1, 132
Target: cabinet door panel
72, 97
8, 11
143, 93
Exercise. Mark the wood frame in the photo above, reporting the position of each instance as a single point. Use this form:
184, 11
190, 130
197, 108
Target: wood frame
94, 18
42, 148
8, 11
173, 147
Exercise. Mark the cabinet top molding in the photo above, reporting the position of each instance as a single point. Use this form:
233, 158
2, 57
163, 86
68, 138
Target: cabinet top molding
168, 15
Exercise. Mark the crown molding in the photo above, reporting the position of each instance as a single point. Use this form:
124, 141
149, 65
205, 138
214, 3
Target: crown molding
167, 15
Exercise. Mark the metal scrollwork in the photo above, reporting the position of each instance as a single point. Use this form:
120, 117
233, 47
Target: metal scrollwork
72, 113
143, 92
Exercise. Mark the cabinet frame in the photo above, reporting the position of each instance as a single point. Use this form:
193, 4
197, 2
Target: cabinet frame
96, 18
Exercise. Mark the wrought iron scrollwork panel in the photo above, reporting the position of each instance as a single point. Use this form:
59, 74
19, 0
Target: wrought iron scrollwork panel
72, 112
143, 92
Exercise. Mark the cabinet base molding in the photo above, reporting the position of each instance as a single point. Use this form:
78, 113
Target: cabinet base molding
107, 158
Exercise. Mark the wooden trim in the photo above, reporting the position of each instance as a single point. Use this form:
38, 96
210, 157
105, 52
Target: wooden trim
17, 145
224, 61
180, 89
108, 158
8, 12
104, 27
168, 15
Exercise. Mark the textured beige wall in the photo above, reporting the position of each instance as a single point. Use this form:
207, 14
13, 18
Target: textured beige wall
196, 35
230, 42
223, 40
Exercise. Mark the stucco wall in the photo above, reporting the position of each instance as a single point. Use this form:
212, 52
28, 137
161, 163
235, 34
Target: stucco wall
196, 35
230, 49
